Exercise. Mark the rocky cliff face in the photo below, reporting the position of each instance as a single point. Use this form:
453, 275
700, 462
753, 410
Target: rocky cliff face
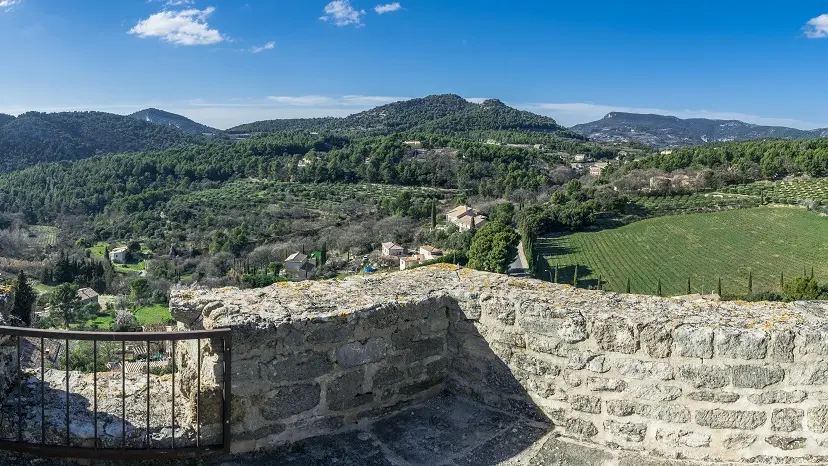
665, 378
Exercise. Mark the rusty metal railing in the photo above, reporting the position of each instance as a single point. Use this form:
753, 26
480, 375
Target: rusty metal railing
24, 439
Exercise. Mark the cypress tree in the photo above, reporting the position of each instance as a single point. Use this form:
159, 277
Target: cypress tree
781, 281
556, 274
24, 299
719, 289
575, 278
658, 290
628, 289
433, 215
323, 254
688, 285
750, 282
812, 272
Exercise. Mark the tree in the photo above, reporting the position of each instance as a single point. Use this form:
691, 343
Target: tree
719, 287
750, 282
124, 321
575, 277
801, 289
628, 289
658, 289
556, 273
323, 255
433, 214
24, 299
688, 285
493, 248
139, 289
65, 302
781, 281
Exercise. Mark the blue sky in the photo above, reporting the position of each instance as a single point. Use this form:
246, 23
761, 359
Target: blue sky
225, 62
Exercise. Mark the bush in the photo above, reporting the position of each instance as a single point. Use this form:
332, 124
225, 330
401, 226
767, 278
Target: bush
801, 289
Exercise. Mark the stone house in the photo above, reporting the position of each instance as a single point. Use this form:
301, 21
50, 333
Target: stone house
597, 168
298, 267
465, 218
119, 255
392, 250
407, 262
430, 252
87, 296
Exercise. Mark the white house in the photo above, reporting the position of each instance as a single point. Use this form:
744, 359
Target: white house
118, 255
414, 144
392, 250
430, 253
597, 168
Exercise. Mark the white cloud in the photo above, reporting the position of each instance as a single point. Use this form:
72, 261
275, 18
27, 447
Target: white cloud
388, 8
179, 2
570, 114
258, 49
346, 101
342, 13
817, 28
185, 27
8, 5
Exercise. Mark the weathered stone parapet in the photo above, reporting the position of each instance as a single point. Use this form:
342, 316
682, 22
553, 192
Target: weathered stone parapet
699, 380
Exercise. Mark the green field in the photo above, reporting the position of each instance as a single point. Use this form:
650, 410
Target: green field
765, 241
786, 192
150, 315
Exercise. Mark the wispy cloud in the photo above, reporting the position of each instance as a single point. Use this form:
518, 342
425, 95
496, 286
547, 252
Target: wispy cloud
258, 49
342, 13
8, 5
346, 101
388, 8
179, 2
817, 28
185, 27
569, 114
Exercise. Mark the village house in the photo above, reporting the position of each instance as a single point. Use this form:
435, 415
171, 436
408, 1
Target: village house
119, 255
408, 262
87, 296
392, 250
414, 144
430, 253
298, 267
597, 168
466, 218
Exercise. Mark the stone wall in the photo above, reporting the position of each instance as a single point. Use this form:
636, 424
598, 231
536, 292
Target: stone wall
8, 345
668, 378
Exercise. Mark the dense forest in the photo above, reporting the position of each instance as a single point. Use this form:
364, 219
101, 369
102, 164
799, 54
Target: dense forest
34, 138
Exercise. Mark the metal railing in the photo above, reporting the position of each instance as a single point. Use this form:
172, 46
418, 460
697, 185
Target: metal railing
25, 439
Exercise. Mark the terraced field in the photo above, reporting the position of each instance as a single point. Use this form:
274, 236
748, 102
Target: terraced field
786, 192
765, 241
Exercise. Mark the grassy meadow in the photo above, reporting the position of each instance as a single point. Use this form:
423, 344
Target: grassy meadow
763, 241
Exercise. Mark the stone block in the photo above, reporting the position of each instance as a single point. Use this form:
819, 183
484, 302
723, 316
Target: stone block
786, 443
818, 419
757, 376
738, 440
423, 349
579, 360
388, 376
512, 338
705, 376
741, 343
637, 369
421, 386
542, 343
598, 365
713, 396
358, 354
782, 346
813, 343
535, 365
598, 384
573, 329
384, 317
620, 408
586, 403
657, 340
615, 334
346, 391
626, 431
298, 367
580, 428
778, 397
815, 373
329, 332
654, 392
726, 419
683, 438
290, 400
787, 419
694, 342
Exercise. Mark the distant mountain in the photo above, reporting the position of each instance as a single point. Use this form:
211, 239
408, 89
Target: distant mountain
441, 114
35, 137
5, 118
160, 117
670, 131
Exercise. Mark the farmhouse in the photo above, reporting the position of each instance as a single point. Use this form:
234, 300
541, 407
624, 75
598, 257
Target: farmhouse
298, 267
87, 296
597, 168
465, 218
408, 262
414, 144
430, 253
118, 255
392, 250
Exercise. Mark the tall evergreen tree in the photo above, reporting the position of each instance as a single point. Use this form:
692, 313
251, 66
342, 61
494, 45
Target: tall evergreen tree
629, 288
719, 288
781, 281
433, 214
688, 285
556, 274
575, 278
812, 272
658, 289
24, 299
750, 281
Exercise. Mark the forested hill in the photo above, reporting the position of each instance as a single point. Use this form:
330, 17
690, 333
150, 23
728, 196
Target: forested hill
446, 115
5, 118
670, 131
160, 117
34, 137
